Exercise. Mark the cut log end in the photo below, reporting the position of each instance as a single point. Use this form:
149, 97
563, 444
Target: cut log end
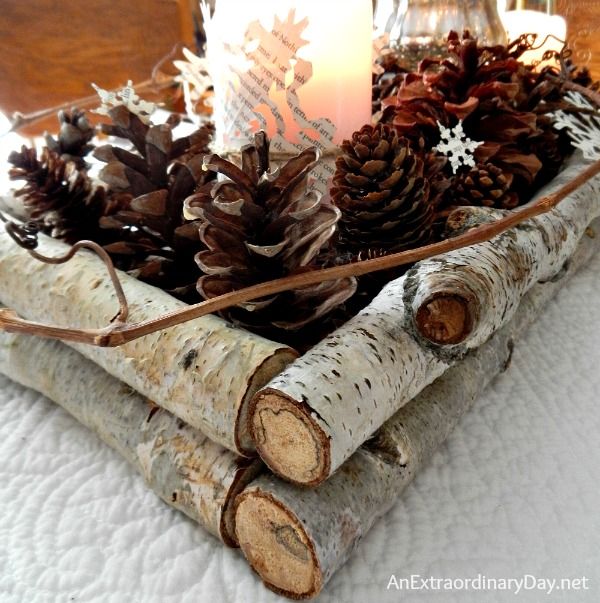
444, 319
270, 367
277, 546
248, 470
289, 439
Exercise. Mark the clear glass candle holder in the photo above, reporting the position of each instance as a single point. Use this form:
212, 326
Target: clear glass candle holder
422, 26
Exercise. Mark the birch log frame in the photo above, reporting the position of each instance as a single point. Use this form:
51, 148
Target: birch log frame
204, 371
182, 466
310, 419
458, 300
296, 538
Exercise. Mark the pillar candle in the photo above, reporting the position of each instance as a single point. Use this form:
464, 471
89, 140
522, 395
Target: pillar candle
300, 69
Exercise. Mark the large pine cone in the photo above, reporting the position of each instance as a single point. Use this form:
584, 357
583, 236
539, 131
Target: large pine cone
149, 237
58, 196
381, 191
260, 225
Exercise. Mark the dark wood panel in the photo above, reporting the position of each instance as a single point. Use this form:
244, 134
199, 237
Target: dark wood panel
53, 49
583, 17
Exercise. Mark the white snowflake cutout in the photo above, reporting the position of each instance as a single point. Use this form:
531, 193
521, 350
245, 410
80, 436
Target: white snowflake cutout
583, 129
195, 79
126, 97
456, 146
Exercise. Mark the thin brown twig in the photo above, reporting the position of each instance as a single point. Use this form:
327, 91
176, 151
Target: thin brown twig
119, 334
26, 238
20, 120
123, 314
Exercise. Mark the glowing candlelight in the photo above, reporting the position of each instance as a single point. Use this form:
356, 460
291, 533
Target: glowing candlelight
551, 32
301, 69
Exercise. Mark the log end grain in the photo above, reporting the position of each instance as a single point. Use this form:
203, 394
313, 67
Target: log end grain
271, 367
277, 546
445, 319
289, 439
248, 470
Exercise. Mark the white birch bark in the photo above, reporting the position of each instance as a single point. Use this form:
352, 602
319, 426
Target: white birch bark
296, 538
182, 466
309, 419
484, 283
204, 371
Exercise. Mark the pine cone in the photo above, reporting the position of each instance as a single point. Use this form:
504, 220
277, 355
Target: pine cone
260, 225
551, 145
485, 185
74, 136
149, 237
58, 197
382, 194
387, 81
497, 97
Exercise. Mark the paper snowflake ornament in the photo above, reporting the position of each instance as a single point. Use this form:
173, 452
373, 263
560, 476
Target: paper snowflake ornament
125, 97
457, 146
195, 79
582, 129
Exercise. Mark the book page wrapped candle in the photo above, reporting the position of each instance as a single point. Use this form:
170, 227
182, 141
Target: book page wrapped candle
283, 67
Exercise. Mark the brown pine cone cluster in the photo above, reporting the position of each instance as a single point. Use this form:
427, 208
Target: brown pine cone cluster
258, 225
380, 188
502, 102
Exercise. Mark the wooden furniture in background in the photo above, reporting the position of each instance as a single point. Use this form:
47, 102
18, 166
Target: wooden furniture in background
52, 50
583, 17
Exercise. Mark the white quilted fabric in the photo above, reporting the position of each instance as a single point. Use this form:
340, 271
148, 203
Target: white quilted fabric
515, 491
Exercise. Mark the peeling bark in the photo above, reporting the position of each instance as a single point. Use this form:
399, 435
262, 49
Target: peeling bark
460, 299
296, 538
204, 371
182, 466
309, 419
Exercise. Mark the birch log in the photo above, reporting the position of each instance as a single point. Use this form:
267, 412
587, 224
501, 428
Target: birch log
296, 538
182, 466
458, 300
204, 371
309, 419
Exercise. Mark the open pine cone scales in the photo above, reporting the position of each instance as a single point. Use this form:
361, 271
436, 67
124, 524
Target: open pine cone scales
57, 196
259, 225
147, 233
381, 191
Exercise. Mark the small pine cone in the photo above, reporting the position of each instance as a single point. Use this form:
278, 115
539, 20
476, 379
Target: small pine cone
75, 134
381, 191
485, 185
57, 196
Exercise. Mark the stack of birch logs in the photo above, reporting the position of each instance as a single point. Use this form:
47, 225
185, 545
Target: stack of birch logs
342, 429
